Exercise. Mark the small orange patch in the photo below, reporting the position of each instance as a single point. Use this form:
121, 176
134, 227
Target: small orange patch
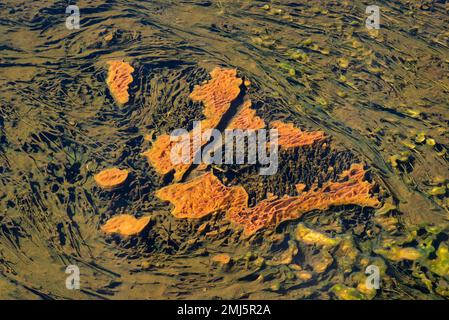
300, 187
125, 225
290, 137
111, 178
222, 258
119, 78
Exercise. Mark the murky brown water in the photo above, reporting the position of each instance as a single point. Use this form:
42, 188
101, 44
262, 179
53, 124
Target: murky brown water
383, 98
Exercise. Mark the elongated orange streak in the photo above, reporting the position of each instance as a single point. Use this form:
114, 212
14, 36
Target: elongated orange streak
290, 137
119, 79
271, 212
206, 194
125, 225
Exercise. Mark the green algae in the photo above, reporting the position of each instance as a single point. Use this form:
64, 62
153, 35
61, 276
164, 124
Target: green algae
346, 293
438, 191
395, 253
440, 265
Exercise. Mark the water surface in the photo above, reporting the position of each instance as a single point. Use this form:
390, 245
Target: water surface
59, 126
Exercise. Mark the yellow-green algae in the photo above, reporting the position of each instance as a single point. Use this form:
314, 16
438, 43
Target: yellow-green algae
312, 237
440, 265
346, 293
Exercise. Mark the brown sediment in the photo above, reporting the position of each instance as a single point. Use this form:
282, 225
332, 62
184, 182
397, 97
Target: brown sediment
271, 212
290, 137
217, 95
246, 119
111, 178
119, 79
206, 194
125, 225
202, 196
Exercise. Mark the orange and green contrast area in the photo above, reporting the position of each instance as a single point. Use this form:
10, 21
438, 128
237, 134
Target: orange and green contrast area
206, 194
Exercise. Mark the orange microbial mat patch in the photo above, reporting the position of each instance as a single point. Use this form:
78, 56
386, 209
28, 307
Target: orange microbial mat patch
206, 194
216, 95
246, 119
291, 137
111, 178
159, 157
271, 212
125, 225
202, 196
119, 79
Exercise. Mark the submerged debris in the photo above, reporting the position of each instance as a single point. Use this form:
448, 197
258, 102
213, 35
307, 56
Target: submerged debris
286, 257
397, 254
440, 265
321, 261
346, 293
347, 254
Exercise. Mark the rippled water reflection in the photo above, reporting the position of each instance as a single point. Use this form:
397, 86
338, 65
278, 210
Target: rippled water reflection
319, 67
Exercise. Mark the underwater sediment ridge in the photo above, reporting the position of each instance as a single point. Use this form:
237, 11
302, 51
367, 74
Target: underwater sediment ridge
224, 150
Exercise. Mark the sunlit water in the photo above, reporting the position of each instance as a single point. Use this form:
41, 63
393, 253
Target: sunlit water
375, 94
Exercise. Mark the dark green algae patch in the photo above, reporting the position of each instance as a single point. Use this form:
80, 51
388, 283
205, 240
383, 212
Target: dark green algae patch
381, 99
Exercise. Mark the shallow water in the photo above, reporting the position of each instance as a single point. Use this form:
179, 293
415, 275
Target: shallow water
59, 126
